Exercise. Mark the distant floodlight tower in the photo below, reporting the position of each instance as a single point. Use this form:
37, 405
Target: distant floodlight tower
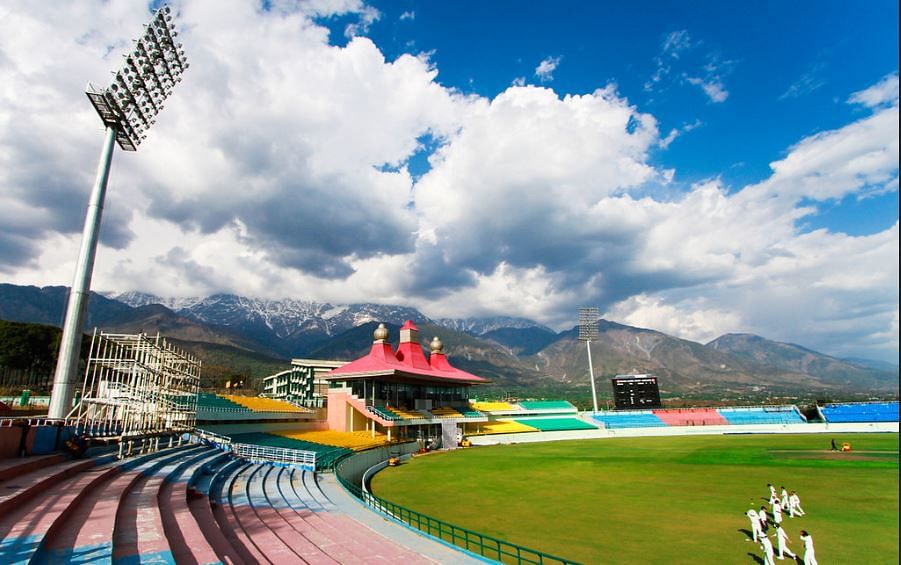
127, 107
588, 330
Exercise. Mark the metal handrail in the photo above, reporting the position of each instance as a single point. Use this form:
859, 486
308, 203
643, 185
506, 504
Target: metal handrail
268, 454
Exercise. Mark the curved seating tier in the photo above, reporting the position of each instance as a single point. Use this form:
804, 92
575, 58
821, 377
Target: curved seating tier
351, 440
493, 406
445, 412
691, 417
619, 420
547, 405
406, 413
261, 404
860, 412
762, 415
210, 401
556, 424
189, 504
502, 427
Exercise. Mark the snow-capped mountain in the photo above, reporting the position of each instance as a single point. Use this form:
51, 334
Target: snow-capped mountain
481, 326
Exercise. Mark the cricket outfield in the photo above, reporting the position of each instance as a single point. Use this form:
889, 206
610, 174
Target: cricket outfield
662, 499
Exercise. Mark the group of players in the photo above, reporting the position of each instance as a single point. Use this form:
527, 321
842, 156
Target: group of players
760, 524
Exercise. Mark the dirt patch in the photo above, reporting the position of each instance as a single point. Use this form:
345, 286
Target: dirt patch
829, 455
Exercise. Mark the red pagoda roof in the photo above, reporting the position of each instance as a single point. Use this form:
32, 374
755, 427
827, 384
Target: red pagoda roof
408, 361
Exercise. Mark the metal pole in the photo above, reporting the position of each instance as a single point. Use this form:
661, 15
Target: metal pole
594, 394
70, 344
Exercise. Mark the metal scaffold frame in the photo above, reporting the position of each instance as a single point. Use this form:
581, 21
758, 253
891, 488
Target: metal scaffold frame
136, 386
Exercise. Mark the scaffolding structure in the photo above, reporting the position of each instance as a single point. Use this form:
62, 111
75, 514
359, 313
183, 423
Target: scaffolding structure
137, 387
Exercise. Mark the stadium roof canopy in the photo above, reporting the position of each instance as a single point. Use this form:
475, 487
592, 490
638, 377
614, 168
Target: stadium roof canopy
407, 364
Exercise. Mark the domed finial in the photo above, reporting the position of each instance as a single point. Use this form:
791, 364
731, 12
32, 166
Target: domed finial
380, 333
436, 346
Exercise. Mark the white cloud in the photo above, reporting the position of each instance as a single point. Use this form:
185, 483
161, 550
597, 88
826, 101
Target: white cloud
884, 92
713, 88
861, 158
368, 16
676, 132
545, 69
408, 15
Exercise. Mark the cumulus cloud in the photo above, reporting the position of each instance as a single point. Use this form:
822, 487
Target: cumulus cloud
287, 176
545, 69
883, 93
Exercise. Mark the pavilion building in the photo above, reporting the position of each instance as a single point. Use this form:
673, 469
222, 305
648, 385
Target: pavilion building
402, 393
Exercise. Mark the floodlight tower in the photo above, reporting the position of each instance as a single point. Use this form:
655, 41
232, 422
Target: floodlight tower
588, 330
127, 107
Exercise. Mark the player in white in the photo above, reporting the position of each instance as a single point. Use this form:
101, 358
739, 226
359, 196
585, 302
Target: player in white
756, 531
772, 492
784, 497
782, 541
762, 514
777, 512
794, 505
810, 557
767, 546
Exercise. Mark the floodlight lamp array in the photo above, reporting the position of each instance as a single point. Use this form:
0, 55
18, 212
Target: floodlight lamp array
145, 80
588, 323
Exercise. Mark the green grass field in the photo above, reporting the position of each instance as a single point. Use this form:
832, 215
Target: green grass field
664, 499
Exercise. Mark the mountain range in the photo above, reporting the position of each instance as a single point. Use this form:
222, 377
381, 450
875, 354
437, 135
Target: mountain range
512, 352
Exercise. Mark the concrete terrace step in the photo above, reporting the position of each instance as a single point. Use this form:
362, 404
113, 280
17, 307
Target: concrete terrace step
26, 527
186, 538
333, 546
260, 534
225, 515
139, 536
17, 490
15, 466
87, 533
265, 508
200, 505
348, 543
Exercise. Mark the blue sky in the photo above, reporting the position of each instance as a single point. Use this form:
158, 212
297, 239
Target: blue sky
788, 67
696, 168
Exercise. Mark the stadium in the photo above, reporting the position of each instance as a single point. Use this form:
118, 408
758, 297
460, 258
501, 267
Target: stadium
402, 466
399, 454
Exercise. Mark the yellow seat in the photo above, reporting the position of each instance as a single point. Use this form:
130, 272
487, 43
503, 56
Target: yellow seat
493, 406
502, 427
350, 440
260, 404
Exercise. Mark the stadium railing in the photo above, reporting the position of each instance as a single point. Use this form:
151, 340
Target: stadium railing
474, 542
259, 453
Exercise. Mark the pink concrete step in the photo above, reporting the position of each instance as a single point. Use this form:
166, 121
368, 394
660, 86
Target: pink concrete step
274, 549
26, 528
188, 542
17, 489
201, 507
336, 545
88, 530
15, 466
225, 515
139, 526
264, 506
365, 543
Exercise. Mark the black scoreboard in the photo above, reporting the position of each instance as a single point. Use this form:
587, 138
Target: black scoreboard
631, 392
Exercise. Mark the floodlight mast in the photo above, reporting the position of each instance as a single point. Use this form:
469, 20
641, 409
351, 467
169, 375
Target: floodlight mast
128, 107
588, 330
